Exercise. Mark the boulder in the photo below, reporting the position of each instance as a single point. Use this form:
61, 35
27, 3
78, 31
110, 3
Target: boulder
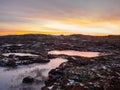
28, 80
11, 63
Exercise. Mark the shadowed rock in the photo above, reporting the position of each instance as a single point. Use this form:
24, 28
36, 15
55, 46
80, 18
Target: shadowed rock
28, 80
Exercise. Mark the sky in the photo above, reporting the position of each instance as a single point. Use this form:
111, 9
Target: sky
88, 17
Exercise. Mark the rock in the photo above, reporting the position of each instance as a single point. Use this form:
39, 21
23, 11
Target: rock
100, 73
45, 88
41, 59
11, 63
28, 80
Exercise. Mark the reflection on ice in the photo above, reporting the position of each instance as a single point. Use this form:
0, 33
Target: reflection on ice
74, 53
19, 54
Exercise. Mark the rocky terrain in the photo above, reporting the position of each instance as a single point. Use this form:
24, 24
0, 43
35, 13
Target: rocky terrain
78, 73
101, 73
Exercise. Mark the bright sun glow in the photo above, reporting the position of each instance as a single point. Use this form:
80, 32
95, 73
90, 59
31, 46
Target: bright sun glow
104, 29
63, 27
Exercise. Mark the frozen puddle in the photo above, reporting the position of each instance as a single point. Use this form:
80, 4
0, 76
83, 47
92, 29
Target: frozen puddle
74, 53
11, 79
9, 45
19, 54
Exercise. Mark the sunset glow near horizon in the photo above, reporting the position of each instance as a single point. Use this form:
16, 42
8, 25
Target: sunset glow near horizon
88, 17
